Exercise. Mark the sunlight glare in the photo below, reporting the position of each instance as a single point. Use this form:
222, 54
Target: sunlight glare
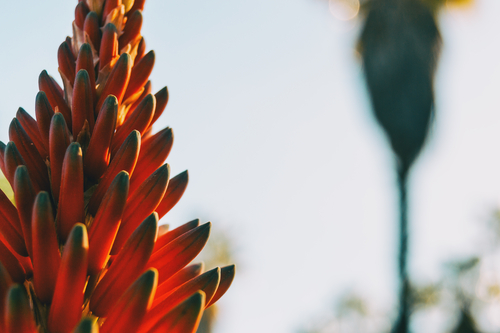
344, 10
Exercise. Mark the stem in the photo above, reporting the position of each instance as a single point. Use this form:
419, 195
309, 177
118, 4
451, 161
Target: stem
403, 319
40, 310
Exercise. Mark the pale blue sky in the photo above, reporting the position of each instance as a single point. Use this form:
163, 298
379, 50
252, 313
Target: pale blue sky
271, 119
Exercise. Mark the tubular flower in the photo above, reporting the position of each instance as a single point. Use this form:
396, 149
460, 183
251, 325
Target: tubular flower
81, 249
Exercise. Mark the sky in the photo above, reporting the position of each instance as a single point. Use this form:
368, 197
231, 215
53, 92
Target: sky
271, 118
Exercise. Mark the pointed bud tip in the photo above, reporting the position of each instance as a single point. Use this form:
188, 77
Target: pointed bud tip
164, 169
111, 99
87, 325
74, 149
125, 57
58, 118
229, 268
82, 75
205, 227
150, 56
150, 98
122, 176
199, 266
197, 300
21, 112
135, 135
21, 170
149, 278
163, 90
16, 297
44, 74
109, 27
15, 124
92, 16
213, 272
85, 48
42, 198
152, 220
79, 234
41, 97
184, 175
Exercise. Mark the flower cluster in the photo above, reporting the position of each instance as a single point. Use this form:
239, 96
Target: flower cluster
81, 249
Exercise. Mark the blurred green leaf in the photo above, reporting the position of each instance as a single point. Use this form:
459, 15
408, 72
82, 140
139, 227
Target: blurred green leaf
465, 324
350, 303
426, 296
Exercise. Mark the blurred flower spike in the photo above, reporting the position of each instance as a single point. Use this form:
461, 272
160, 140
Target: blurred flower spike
81, 249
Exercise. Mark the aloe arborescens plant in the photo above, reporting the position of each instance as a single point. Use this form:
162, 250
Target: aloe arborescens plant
81, 249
